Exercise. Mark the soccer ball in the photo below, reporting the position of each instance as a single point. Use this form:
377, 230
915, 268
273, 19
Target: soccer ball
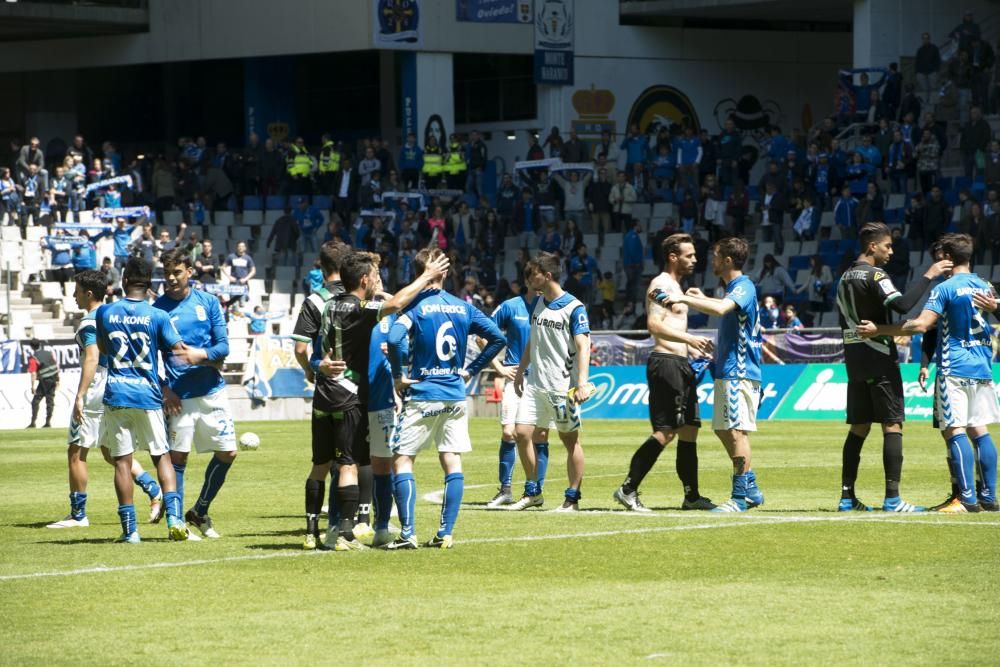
249, 441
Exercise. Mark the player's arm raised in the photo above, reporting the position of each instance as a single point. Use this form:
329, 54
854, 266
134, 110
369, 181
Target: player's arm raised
436, 269
903, 303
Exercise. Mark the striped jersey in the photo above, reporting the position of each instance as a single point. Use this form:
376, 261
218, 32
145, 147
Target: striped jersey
737, 356
554, 324
964, 347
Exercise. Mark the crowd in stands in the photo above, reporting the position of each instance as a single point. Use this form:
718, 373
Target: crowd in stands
818, 186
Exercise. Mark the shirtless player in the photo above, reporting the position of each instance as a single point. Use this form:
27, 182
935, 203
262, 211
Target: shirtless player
673, 392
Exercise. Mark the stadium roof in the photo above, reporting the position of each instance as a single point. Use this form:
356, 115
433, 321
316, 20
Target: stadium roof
667, 12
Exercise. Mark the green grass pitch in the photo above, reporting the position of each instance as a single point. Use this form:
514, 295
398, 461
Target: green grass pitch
792, 582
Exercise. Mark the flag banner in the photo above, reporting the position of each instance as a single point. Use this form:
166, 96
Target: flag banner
122, 212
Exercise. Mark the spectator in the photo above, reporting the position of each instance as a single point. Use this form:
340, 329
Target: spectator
507, 197
817, 286
206, 268
433, 161
272, 168
988, 237
621, 198
635, 146
573, 150
709, 155
554, 143
113, 276
31, 154
411, 161
218, 189
607, 291
309, 220
633, 257
991, 165
664, 168
790, 318
586, 265
900, 162
571, 240
345, 189
370, 197
368, 165
975, 137
535, 152
862, 91
973, 223
689, 154
439, 229
965, 31
60, 247
872, 207
10, 199
478, 157
240, 267
927, 66
526, 219
314, 279
285, 236
607, 150
928, 160
773, 279
573, 193
455, 166
738, 208
892, 91
982, 59
936, 217
772, 206
551, 241
32, 188
598, 195
807, 221
769, 313
81, 148
962, 79
462, 228
730, 149
546, 197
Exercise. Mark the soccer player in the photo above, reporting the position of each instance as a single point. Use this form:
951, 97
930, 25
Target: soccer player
965, 397
874, 383
737, 366
339, 420
514, 321
673, 388
88, 408
433, 334
194, 394
558, 351
381, 419
133, 334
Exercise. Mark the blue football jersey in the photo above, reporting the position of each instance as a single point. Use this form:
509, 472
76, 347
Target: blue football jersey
133, 334
199, 319
737, 356
435, 330
86, 335
964, 347
380, 390
514, 320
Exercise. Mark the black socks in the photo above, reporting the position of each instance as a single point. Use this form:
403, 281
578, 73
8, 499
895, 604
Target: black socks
687, 468
642, 462
892, 462
851, 461
315, 490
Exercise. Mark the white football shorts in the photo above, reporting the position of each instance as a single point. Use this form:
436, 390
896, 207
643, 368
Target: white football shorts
380, 426
734, 407
88, 434
204, 421
125, 430
963, 402
424, 422
548, 409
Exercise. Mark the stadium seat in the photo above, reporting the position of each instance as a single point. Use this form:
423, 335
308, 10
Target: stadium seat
826, 219
285, 273
253, 218
286, 326
279, 301
798, 262
172, 218
10, 233
323, 202
962, 183
224, 219
641, 210
896, 201
275, 203
945, 183
238, 327
43, 331
809, 248
239, 351
35, 233
252, 203
271, 216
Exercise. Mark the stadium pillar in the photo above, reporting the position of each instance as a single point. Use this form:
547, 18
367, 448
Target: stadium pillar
434, 96
387, 98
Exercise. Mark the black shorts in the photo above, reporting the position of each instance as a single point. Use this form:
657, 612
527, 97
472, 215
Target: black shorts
876, 400
673, 392
340, 437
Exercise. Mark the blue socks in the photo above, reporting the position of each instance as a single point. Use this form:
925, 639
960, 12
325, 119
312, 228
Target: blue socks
573, 495
740, 483
454, 486
963, 466
215, 477
405, 491
382, 499
179, 474
172, 500
148, 484
986, 456
78, 505
508, 455
541, 462
531, 488
126, 514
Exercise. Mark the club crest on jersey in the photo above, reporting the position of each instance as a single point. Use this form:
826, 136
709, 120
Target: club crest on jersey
200, 312
879, 276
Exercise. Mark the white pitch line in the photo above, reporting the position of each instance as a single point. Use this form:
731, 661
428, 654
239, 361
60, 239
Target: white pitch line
760, 520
